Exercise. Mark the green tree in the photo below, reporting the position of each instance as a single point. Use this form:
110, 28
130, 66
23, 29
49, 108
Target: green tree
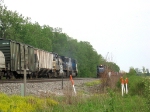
132, 71
16, 27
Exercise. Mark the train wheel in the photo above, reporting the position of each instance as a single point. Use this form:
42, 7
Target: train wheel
28, 76
55, 74
12, 75
76, 74
62, 74
1, 75
8, 75
67, 74
49, 75
33, 75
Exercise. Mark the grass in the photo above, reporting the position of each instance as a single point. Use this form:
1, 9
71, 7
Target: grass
102, 103
109, 101
93, 83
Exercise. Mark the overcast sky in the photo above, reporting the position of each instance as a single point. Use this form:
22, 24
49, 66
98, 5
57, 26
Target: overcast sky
120, 27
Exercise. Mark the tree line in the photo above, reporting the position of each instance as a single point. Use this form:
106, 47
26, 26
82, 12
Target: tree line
139, 72
16, 27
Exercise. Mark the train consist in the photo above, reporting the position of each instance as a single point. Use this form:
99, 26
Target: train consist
15, 57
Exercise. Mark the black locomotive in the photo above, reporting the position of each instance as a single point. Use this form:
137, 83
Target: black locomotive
100, 70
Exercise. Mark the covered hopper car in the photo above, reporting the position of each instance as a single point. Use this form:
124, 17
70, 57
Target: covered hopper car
16, 56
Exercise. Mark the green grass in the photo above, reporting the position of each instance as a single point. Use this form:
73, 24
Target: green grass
136, 101
93, 83
103, 103
112, 101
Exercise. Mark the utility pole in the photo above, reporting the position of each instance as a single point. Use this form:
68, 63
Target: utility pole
25, 72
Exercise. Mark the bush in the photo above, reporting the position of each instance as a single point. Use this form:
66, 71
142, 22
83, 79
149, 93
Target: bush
136, 85
23, 104
147, 92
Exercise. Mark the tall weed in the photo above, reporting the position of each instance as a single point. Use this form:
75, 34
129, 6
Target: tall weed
147, 92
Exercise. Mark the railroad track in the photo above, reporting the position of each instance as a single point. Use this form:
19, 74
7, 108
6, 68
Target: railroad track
38, 80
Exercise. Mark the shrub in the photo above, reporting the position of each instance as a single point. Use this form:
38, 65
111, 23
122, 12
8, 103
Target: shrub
23, 104
147, 92
136, 85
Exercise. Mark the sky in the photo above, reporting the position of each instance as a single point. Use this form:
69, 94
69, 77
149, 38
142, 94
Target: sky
119, 30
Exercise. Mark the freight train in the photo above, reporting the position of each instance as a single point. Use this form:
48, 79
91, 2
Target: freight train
16, 56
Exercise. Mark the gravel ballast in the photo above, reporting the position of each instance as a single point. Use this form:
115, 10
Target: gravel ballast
42, 87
